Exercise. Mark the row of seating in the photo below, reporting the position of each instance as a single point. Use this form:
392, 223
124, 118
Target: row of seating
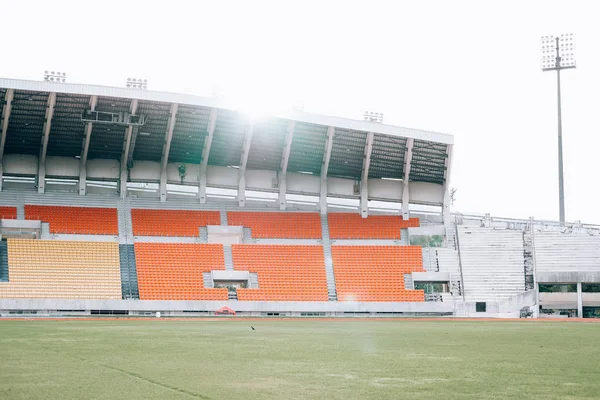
353, 226
172, 271
7, 212
285, 272
148, 222
62, 270
279, 225
76, 220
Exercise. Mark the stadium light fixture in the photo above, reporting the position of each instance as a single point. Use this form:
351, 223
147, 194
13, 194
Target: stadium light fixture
373, 117
135, 83
558, 53
55, 76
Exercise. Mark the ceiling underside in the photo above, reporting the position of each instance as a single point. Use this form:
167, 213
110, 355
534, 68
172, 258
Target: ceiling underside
267, 138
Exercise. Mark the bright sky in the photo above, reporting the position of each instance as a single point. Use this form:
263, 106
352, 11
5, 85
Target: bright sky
469, 68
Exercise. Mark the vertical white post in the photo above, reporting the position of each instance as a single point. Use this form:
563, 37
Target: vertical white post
285, 157
325, 169
364, 181
84, 150
579, 301
241, 197
405, 182
45, 137
125, 156
165, 153
205, 154
5, 114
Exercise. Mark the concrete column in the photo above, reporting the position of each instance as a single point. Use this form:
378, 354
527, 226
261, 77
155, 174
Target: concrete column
5, 115
446, 204
205, 153
84, 150
125, 155
45, 138
405, 182
285, 157
165, 153
325, 169
579, 301
241, 197
364, 180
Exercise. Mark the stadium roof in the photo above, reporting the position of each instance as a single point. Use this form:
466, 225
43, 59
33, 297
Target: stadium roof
25, 133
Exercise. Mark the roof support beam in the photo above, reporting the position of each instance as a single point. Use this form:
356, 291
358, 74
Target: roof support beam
5, 115
212, 122
84, 150
241, 196
125, 153
407, 164
46, 135
364, 180
285, 158
165, 153
447, 200
325, 169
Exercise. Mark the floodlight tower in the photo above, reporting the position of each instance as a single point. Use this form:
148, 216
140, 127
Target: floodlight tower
558, 53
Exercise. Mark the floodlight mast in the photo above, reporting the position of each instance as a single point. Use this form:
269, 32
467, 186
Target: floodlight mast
557, 54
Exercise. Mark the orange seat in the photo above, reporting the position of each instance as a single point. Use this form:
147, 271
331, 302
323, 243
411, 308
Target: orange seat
7, 212
171, 222
376, 273
76, 220
353, 226
285, 272
293, 225
173, 271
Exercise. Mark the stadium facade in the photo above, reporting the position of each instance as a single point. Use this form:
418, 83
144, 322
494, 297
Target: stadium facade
129, 201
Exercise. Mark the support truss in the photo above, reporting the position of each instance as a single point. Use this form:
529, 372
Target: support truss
407, 165
241, 197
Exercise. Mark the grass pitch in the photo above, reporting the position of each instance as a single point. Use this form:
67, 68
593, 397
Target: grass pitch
298, 359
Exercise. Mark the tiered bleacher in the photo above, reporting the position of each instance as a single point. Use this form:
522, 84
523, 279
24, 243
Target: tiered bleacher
353, 226
285, 272
283, 225
171, 222
173, 271
76, 220
54, 269
7, 212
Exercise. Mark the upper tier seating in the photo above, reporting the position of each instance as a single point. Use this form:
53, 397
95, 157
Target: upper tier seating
173, 271
353, 226
376, 273
285, 273
77, 220
283, 225
53, 269
171, 222
7, 212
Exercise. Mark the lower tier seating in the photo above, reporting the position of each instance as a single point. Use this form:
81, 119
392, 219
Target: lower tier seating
173, 271
7, 212
76, 220
53, 269
376, 273
353, 226
284, 225
171, 222
285, 273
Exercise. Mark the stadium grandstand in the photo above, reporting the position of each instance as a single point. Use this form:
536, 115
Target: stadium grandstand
127, 201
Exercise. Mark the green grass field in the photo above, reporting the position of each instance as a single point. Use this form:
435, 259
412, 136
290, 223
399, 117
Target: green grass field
298, 359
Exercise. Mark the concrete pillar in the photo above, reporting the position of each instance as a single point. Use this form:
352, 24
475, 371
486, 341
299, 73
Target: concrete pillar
579, 301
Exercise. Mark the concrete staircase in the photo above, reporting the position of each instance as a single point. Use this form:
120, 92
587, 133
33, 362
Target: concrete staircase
3, 261
331, 290
223, 214
228, 257
208, 281
203, 234
253, 281
129, 282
